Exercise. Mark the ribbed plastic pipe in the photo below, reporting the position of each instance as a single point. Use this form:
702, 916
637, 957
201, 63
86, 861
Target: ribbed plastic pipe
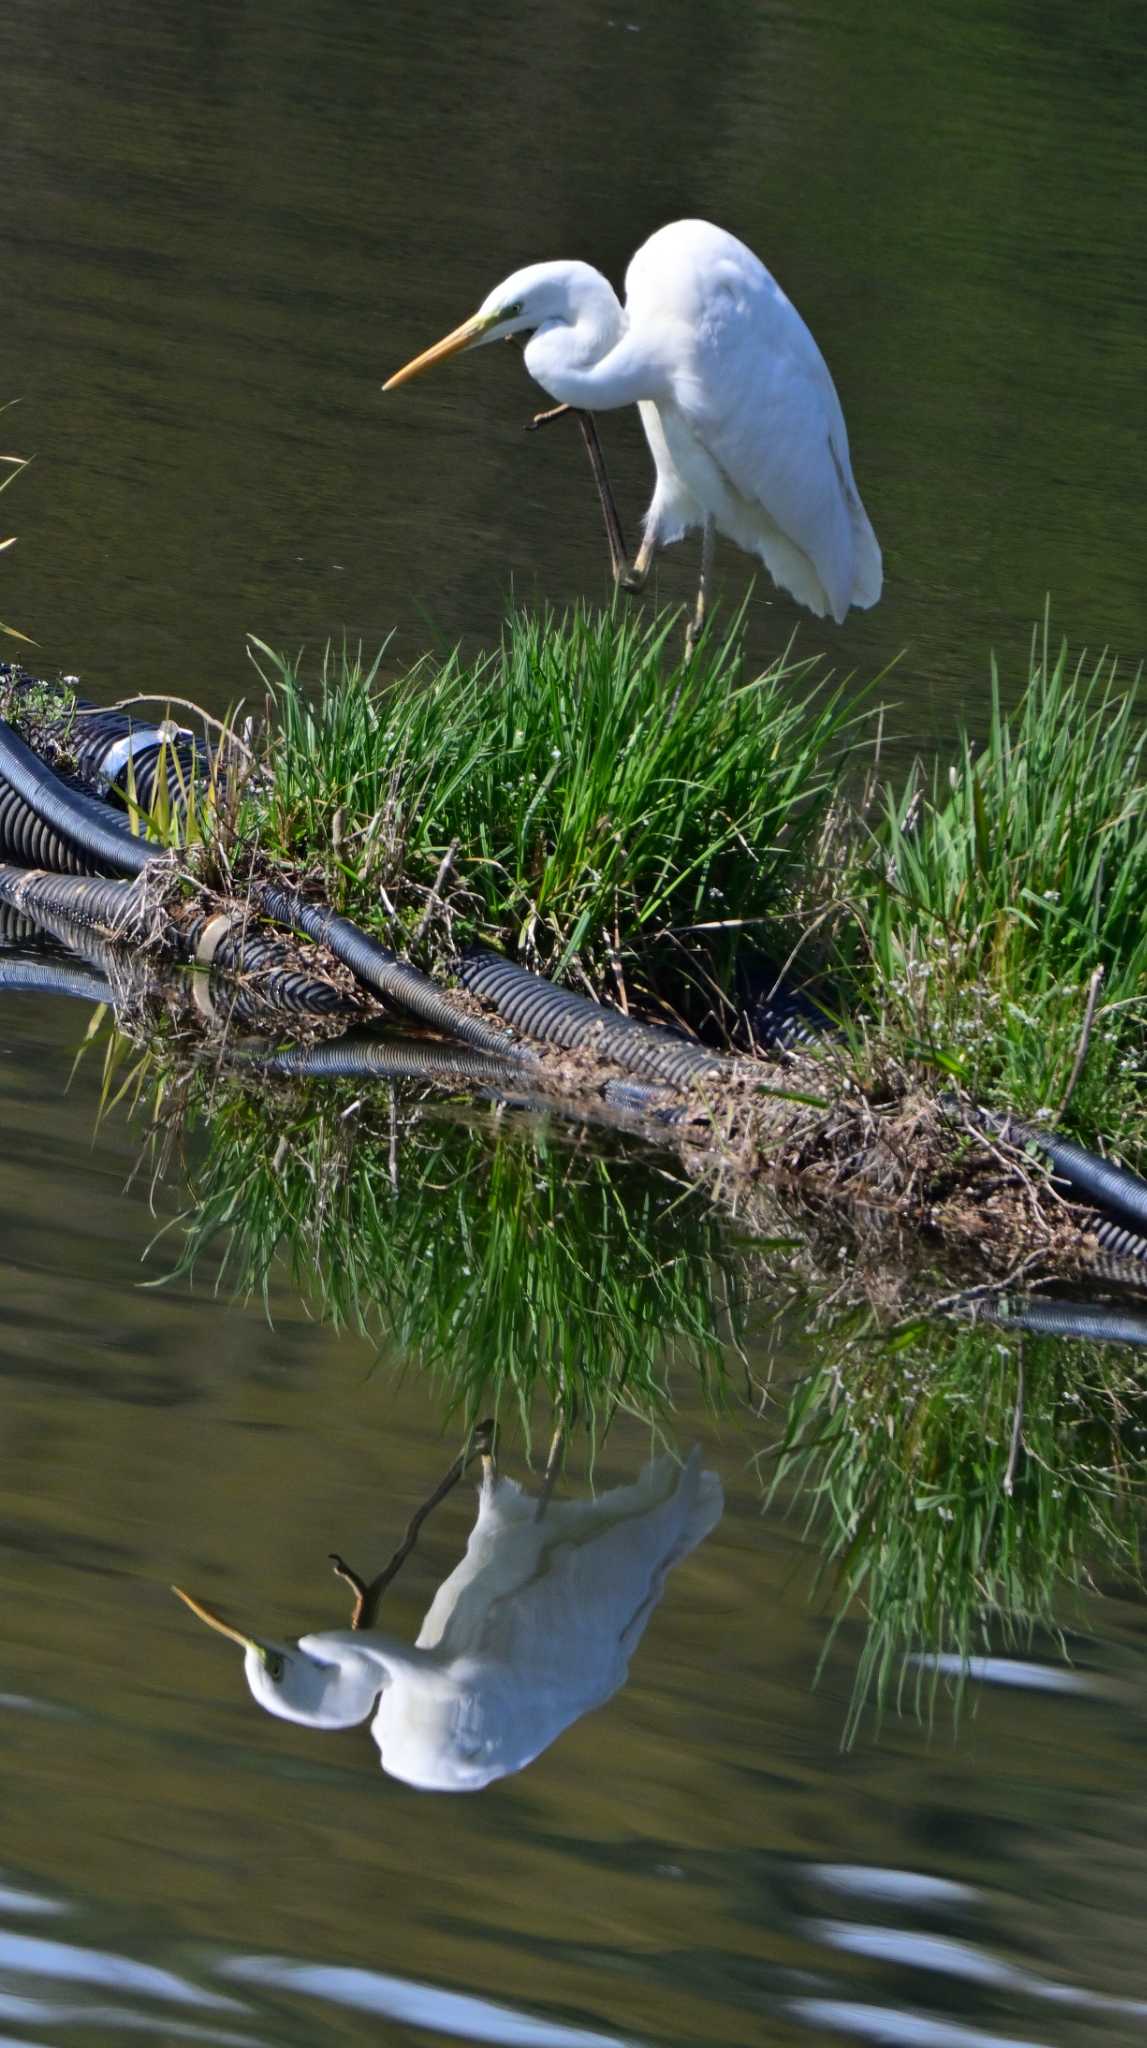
1095, 1179
86, 824
112, 908
556, 1016
250, 974
381, 970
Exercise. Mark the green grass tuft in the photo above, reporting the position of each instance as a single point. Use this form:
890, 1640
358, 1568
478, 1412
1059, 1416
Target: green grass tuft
589, 796
988, 895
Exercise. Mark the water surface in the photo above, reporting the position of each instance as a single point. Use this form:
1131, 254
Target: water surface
226, 225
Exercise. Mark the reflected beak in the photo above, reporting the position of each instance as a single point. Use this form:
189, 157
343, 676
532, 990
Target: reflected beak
217, 1622
462, 337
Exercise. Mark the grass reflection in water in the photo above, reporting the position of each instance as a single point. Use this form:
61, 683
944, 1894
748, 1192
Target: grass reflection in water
510, 1260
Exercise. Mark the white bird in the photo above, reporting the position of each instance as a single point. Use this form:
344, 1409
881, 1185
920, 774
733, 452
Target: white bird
535, 1627
741, 415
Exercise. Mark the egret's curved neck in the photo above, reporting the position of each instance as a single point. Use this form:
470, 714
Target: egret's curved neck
589, 359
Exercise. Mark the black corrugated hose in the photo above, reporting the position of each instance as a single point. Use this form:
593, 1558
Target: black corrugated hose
558, 1017
114, 753
83, 822
262, 975
380, 969
111, 907
1093, 1179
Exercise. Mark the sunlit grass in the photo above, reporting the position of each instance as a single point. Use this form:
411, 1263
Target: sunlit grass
991, 892
587, 792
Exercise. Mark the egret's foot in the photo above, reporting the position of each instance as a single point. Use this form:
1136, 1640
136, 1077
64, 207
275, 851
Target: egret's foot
543, 419
368, 1594
358, 1586
634, 575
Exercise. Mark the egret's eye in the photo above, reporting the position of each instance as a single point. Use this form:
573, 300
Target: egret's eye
511, 312
273, 1665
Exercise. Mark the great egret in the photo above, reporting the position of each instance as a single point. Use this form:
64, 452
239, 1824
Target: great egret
533, 1628
741, 415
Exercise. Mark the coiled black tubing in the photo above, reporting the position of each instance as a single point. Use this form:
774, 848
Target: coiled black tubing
558, 1017
264, 972
380, 969
25, 838
83, 823
44, 977
115, 753
1075, 1319
265, 975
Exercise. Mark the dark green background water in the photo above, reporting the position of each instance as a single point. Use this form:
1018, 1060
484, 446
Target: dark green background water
222, 226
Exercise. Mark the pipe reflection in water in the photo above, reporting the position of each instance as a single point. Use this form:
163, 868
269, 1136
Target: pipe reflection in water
534, 1628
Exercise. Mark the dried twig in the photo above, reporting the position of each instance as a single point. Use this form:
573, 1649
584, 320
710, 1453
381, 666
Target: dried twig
1084, 1041
185, 704
435, 894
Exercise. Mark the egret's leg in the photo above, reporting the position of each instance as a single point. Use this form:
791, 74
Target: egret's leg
618, 554
553, 1466
696, 624
367, 1596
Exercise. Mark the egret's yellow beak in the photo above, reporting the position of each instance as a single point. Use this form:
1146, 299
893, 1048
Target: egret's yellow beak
451, 345
217, 1622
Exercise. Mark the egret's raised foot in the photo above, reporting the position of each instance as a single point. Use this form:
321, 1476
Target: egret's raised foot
358, 1586
543, 419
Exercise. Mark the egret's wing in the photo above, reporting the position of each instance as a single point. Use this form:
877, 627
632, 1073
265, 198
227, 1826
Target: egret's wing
572, 1625
758, 396
752, 387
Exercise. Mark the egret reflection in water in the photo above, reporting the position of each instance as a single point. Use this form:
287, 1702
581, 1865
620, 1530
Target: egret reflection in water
534, 1628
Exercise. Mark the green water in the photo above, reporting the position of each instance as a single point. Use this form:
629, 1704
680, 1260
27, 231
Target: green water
222, 227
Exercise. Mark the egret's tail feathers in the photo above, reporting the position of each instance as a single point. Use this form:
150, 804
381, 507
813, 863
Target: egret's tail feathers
868, 573
791, 570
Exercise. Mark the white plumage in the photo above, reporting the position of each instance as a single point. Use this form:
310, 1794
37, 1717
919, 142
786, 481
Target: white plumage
535, 1627
740, 412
